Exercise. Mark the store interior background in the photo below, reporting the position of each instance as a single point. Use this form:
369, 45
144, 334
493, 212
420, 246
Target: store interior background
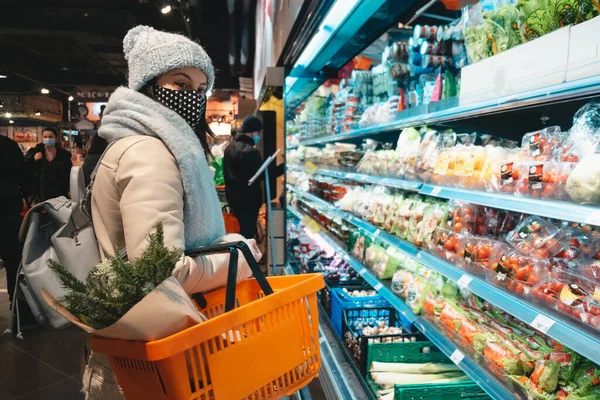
60, 61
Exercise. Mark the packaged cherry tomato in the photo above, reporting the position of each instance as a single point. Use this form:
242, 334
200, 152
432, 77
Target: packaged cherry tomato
543, 145
579, 243
572, 295
475, 253
537, 237
461, 216
544, 180
514, 271
445, 244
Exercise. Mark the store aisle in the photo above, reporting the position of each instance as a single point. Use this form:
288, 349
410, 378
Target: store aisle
44, 365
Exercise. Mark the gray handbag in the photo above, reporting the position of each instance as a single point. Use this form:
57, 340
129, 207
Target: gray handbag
60, 229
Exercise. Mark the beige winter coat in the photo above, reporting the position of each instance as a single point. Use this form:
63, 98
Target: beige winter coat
137, 184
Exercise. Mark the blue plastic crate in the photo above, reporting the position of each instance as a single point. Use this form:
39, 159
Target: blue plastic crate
340, 301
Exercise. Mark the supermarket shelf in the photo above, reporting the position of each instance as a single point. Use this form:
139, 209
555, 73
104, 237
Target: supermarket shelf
554, 326
375, 180
479, 374
403, 245
545, 208
575, 338
494, 388
452, 109
339, 378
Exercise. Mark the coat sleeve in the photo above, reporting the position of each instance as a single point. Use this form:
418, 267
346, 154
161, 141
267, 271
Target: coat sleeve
151, 191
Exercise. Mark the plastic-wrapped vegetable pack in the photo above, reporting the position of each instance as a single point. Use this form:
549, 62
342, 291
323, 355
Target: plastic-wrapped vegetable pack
583, 184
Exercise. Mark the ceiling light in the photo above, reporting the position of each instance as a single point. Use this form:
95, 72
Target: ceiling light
1, 105
70, 98
8, 115
166, 9
2, 76
11, 121
45, 91
37, 113
209, 93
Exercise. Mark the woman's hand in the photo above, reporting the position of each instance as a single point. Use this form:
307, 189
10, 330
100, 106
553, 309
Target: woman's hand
38, 156
244, 271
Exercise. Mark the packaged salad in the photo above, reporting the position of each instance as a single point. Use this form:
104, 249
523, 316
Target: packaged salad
435, 215
402, 221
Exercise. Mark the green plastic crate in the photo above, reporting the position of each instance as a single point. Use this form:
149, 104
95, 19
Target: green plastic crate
413, 353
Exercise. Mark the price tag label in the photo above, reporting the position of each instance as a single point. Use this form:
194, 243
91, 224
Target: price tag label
362, 272
346, 257
542, 323
386, 182
464, 281
322, 339
310, 168
311, 224
594, 218
457, 357
376, 233
436, 190
378, 287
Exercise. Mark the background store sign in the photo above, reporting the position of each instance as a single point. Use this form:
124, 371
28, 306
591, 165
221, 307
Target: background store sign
93, 94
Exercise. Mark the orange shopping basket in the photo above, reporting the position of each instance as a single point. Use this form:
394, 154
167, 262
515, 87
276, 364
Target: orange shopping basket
260, 342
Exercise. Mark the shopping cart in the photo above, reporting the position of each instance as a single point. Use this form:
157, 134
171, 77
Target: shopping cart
261, 341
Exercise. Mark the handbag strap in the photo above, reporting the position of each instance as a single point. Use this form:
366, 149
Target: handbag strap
86, 204
232, 248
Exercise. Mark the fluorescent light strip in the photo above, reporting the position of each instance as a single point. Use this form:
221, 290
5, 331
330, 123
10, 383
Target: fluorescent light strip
336, 15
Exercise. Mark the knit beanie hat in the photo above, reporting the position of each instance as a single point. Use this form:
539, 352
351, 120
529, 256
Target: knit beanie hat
151, 53
251, 124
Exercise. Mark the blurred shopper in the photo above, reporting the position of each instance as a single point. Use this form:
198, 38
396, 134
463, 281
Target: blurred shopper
97, 147
12, 187
156, 169
50, 166
241, 161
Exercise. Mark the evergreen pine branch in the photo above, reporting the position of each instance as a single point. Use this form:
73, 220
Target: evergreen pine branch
112, 288
67, 279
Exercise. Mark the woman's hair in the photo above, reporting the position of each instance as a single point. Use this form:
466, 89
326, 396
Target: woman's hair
97, 145
202, 130
50, 129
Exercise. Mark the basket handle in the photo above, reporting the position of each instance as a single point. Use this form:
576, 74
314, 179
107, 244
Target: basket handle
232, 248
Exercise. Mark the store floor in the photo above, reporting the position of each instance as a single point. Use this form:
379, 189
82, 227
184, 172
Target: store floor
45, 364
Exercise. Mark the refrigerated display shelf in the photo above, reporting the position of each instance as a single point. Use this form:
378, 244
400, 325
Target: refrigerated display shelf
493, 387
544, 208
554, 325
362, 178
339, 377
452, 110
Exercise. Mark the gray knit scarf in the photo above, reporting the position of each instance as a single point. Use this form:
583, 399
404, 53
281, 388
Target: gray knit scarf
131, 113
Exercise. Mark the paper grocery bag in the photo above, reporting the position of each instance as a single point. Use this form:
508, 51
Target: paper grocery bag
163, 312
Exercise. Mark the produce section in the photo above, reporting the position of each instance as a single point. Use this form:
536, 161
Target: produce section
448, 191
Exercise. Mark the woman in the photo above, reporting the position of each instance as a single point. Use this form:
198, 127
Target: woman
156, 170
97, 147
50, 165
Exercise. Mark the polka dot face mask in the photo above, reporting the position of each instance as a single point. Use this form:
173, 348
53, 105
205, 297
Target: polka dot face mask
190, 104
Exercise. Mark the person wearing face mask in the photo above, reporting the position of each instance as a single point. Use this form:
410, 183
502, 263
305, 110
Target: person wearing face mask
50, 166
156, 169
241, 161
